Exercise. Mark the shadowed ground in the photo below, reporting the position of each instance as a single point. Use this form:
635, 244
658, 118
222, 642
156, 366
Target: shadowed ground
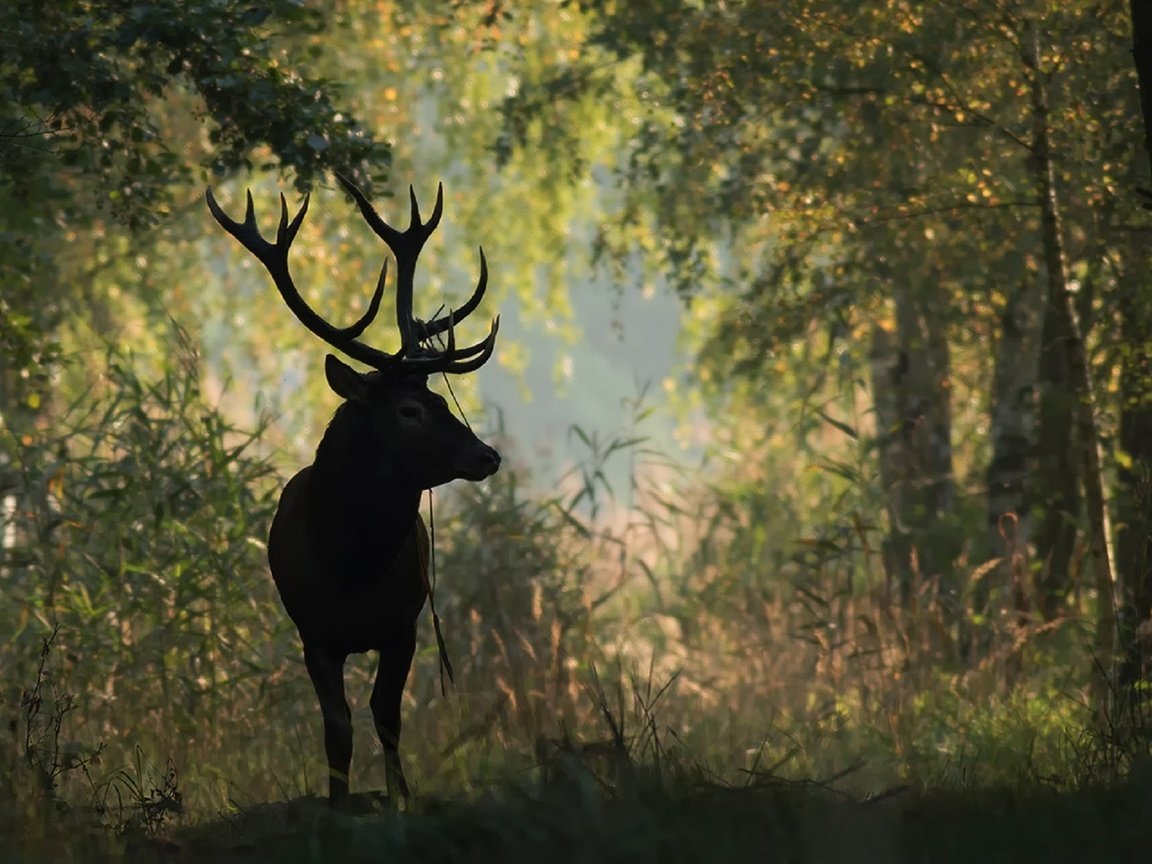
576, 820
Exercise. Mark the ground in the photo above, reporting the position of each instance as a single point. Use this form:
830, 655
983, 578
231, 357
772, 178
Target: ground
577, 820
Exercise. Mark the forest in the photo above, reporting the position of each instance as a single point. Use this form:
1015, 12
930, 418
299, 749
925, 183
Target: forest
823, 391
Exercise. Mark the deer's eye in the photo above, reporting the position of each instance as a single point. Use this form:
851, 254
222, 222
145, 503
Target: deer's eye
410, 412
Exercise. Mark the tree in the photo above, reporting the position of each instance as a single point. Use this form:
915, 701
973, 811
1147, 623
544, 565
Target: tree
923, 173
1134, 498
106, 107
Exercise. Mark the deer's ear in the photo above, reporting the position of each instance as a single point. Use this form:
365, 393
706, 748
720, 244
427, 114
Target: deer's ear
342, 378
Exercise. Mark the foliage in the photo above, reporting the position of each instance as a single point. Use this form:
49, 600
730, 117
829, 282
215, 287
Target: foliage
128, 803
804, 174
83, 82
109, 110
624, 661
640, 804
818, 179
805, 170
138, 522
43, 710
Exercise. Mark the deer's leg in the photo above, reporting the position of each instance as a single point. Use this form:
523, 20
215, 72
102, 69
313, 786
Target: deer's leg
326, 669
391, 675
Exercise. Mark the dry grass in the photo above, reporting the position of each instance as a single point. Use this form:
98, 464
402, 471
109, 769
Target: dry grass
652, 659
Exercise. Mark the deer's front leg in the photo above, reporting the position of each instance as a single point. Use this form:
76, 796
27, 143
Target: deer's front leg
326, 669
391, 675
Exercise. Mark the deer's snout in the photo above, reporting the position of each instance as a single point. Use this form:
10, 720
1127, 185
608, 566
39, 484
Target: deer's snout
482, 462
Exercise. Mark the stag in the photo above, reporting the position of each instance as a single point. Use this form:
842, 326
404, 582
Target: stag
347, 549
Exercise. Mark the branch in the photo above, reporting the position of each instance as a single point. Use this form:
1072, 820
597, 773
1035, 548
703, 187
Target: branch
982, 119
945, 208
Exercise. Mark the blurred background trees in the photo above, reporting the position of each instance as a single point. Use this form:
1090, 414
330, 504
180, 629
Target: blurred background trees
108, 109
884, 266
951, 189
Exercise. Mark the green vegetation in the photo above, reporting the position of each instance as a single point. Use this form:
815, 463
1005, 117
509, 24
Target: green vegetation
895, 604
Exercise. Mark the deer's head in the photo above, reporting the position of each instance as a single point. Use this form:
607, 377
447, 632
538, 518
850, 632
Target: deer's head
410, 426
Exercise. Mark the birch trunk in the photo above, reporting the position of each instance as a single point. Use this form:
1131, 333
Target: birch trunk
1060, 302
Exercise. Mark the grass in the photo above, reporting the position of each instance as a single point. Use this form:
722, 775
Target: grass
653, 682
636, 790
633, 799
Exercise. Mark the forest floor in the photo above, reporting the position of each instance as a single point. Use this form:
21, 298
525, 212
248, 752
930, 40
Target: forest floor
576, 819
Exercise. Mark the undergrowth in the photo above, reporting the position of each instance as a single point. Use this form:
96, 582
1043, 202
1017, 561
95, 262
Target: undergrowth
603, 651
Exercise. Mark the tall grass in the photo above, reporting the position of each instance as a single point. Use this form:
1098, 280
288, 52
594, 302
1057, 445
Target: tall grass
699, 627
135, 528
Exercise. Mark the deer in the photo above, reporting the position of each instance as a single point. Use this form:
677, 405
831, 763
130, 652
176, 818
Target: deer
348, 549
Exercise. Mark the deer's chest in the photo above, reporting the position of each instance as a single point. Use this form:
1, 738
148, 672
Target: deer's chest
356, 609
351, 588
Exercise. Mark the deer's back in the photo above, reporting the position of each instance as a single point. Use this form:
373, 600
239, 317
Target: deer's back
351, 598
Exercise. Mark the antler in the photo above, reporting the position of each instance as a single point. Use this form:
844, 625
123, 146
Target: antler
406, 246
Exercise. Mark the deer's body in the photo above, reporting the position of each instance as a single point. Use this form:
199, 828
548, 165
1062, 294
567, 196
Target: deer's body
347, 603
347, 548
348, 553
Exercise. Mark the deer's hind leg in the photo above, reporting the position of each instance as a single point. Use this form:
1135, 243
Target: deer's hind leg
391, 675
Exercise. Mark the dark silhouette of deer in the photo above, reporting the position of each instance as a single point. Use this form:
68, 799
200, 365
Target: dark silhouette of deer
347, 549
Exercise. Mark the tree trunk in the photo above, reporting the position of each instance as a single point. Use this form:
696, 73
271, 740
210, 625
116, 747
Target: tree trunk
1134, 493
1141, 11
1057, 481
1060, 302
886, 365
1004, 587
1134, 483
910, 373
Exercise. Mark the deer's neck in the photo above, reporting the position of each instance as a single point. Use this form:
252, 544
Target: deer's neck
361, 509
